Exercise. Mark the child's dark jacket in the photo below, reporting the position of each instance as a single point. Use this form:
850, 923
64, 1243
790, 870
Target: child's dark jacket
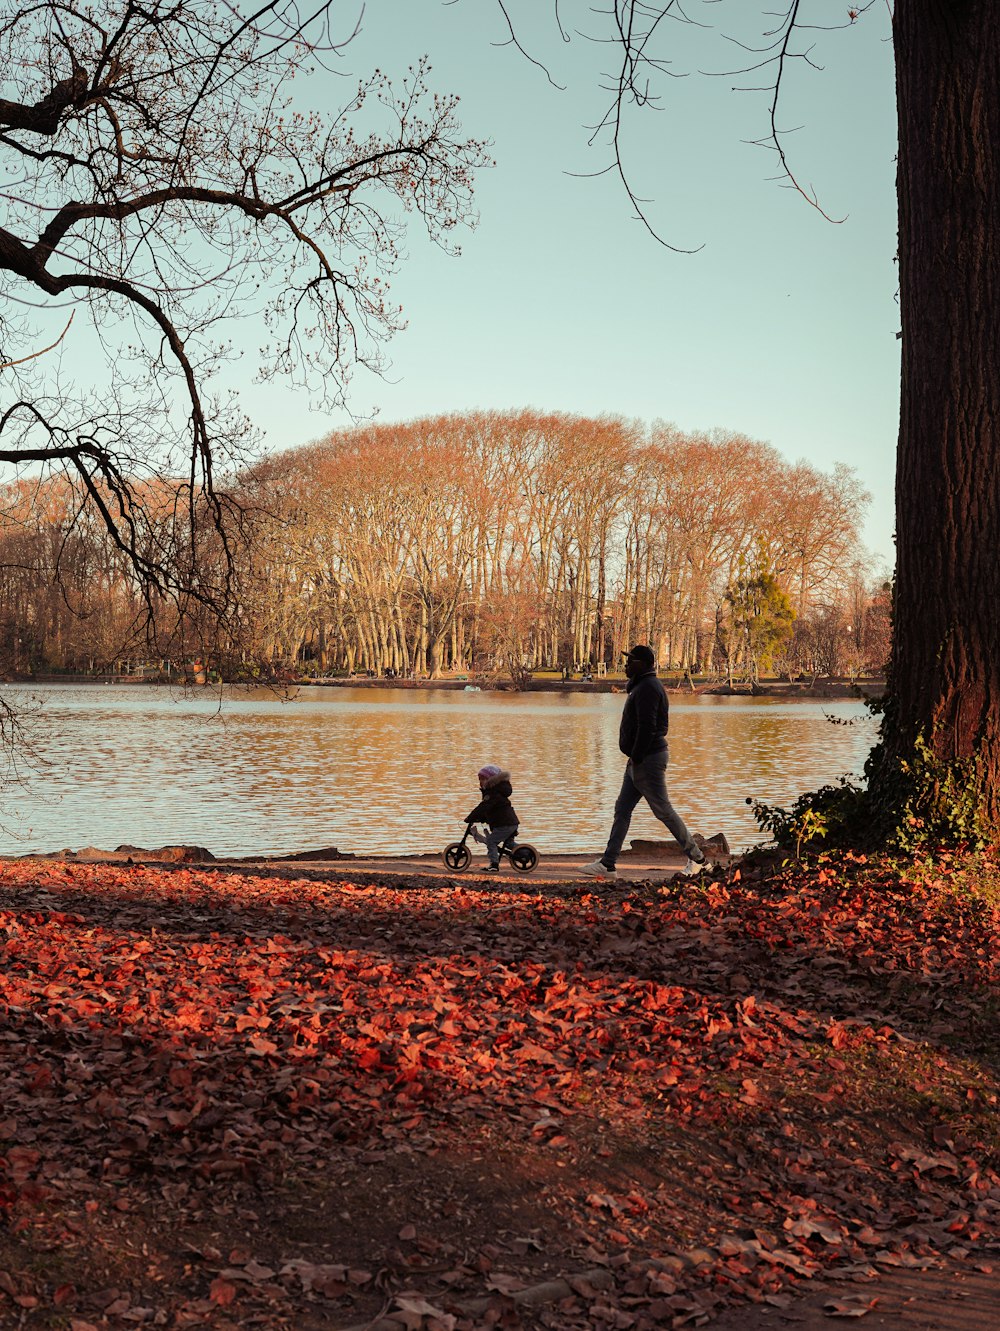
495, 808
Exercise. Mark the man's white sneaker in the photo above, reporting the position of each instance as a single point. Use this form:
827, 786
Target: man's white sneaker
598, 869
693, 867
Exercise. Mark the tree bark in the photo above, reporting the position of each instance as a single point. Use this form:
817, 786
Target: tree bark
945, 675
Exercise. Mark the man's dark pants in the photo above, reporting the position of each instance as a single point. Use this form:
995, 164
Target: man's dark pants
647, 780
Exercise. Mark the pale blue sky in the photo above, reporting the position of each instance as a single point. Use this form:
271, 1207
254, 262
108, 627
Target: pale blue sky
783, 326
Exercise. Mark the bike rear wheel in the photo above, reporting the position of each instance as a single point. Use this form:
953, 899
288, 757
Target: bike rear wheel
457, 856
524, 857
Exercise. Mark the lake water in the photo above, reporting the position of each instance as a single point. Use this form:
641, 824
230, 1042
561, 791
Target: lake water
392, 770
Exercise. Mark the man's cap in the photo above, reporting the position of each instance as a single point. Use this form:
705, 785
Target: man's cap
641, 653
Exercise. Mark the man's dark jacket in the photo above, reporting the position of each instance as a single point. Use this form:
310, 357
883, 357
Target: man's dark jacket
645, 718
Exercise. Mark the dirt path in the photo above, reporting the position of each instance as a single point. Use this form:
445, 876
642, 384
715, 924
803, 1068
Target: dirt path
551, 868
661, 865
956, 1298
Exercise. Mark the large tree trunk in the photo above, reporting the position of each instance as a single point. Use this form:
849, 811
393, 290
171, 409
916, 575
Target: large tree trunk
945, 677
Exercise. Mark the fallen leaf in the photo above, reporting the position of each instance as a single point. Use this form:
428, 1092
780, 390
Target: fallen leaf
849, 1307
410, 1311
222, 1292
504, 1283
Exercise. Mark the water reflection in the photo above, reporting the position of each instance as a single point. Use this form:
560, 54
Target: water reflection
394, 771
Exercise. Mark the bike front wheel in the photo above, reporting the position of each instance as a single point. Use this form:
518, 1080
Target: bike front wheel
524, 858
457, 856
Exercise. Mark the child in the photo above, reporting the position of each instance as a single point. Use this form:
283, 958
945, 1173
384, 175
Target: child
495, 810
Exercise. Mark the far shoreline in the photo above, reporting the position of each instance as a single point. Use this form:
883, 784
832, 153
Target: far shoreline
827, 688
821, 688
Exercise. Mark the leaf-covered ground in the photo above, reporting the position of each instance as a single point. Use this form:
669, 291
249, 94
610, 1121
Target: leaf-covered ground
238, 1100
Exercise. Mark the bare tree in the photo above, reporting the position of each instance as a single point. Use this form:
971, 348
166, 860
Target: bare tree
818, 528
162, 181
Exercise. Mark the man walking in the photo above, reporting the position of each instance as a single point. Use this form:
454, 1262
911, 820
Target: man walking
642, 737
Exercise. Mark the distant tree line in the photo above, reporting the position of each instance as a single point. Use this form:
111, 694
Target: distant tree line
520, 541
502, 542
71, 597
